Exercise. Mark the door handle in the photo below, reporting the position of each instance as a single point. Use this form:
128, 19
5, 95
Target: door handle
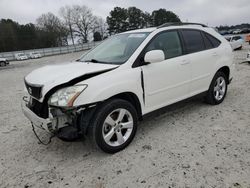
185, 62
215, 54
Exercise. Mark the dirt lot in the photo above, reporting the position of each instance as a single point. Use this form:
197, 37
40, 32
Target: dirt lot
190, 144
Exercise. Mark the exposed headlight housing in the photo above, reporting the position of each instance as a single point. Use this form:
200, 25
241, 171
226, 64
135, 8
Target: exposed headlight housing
65, 97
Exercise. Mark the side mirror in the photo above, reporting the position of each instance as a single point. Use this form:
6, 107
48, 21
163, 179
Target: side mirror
154, 56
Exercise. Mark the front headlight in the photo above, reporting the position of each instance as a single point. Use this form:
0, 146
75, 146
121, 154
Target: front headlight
65, 97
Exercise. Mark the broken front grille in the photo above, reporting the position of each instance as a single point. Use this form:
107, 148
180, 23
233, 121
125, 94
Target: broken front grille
34, 90
40, 109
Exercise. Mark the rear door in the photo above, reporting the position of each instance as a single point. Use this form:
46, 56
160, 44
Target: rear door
202, 56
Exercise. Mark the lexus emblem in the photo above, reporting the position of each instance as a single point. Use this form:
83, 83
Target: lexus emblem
30, 91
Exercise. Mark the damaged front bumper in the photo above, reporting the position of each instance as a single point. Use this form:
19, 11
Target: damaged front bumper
66, 124
44, 124
56, 118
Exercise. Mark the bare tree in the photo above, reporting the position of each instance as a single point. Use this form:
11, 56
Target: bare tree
66, 13
102, 27
56, 31
83, 22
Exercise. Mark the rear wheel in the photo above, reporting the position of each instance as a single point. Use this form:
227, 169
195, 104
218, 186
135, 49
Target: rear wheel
218, 89
113, 126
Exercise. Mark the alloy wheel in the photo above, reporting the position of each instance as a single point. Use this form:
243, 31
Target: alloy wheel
117, 127
219, 88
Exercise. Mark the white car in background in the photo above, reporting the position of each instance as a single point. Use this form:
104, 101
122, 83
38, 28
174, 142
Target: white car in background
35, 55
21, 56
237, 31
129, 75
3, 62
236, 42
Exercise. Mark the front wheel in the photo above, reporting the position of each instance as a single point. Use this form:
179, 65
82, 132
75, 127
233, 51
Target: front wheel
113, 126
218, 89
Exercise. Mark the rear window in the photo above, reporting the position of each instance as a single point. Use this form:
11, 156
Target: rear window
213, 40
193, 41
208, 43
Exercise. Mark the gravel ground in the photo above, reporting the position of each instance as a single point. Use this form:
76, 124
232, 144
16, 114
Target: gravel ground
189, 144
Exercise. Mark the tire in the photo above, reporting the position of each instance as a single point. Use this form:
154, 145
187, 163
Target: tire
217, 93
2, 64
109, 121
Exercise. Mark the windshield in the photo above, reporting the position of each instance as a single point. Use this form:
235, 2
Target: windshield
115, 50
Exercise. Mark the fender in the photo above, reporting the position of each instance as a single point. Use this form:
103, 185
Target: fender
110, 84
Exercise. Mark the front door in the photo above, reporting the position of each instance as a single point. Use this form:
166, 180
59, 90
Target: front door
166, 82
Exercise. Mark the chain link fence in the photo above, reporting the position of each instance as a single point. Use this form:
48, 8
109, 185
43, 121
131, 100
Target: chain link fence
50, 51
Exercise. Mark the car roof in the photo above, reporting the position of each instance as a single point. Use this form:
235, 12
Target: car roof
168, 26
146, 30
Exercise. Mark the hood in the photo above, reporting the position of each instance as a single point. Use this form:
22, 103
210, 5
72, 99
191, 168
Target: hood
53, 75
3, 59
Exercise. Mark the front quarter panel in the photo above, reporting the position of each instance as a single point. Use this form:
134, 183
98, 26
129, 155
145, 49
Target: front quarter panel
107, 85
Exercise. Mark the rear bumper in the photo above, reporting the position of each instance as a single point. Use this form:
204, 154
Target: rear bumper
44, 124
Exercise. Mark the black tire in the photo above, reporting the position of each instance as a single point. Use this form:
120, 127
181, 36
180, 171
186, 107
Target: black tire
2, 64
95, 130
210, 96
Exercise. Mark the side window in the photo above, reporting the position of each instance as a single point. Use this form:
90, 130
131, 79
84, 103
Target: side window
168, 42
208, 43
236, 38
193, 41
213, 40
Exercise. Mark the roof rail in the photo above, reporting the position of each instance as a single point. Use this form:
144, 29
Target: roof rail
168, 24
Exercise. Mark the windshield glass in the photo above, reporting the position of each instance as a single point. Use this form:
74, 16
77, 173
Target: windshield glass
115, 50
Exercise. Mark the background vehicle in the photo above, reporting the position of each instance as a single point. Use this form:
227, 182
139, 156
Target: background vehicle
35, 55
21, 56
236, 42
237, 31
3, 62
131, 74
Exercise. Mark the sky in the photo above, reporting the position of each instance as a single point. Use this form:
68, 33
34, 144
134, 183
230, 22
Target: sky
210, 12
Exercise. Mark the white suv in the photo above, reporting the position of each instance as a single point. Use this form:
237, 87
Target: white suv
105, 92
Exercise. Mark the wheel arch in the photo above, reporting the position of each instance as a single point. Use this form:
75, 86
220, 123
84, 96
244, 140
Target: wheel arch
131, 98
86, 116
226, 71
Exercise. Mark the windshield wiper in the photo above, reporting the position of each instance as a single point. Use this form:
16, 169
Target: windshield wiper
96, 61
